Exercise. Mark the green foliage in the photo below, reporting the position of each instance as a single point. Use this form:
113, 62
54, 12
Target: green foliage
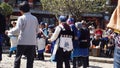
73, 7
1, 11
6, 9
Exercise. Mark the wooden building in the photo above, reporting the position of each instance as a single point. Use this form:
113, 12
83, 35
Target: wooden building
43, 16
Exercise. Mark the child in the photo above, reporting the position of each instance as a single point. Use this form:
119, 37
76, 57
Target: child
41, 40
13, 40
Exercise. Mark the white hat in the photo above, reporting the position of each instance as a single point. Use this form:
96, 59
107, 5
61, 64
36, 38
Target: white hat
12, 22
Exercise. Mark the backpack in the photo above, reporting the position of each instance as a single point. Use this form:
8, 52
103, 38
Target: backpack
66, 40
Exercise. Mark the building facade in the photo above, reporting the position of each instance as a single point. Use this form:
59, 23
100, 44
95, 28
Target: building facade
102, 18
43, 16
98, 19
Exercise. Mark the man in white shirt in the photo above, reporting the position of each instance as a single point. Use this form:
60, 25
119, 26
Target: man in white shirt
27, 27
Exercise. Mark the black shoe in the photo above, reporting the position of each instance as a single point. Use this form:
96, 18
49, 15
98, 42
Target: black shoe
10, 54
40, 56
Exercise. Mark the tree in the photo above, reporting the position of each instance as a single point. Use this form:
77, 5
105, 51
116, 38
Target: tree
73, 7
6, 9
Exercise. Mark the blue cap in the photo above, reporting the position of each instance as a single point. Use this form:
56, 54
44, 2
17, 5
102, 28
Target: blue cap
70, 21
62, 18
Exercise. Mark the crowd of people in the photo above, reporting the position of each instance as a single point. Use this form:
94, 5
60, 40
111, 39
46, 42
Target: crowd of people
30, 38
85, 38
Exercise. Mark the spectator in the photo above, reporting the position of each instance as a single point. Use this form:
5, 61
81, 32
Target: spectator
50, 33
98, 31
13, 39
27, 27
41, 38
96, 42
92, 32
110, 46
2, 31
44, 29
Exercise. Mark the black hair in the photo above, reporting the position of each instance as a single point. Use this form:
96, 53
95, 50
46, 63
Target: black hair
24, 6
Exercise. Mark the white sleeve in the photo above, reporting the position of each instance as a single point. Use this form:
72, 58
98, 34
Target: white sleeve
37, 29
18, 26
55, 34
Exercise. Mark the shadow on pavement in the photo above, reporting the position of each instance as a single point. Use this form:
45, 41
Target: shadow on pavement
5, 49
94, 67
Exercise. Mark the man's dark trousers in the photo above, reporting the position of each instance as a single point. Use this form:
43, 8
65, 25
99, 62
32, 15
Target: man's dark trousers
28, 51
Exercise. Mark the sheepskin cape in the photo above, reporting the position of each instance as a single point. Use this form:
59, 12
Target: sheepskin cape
114, 22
